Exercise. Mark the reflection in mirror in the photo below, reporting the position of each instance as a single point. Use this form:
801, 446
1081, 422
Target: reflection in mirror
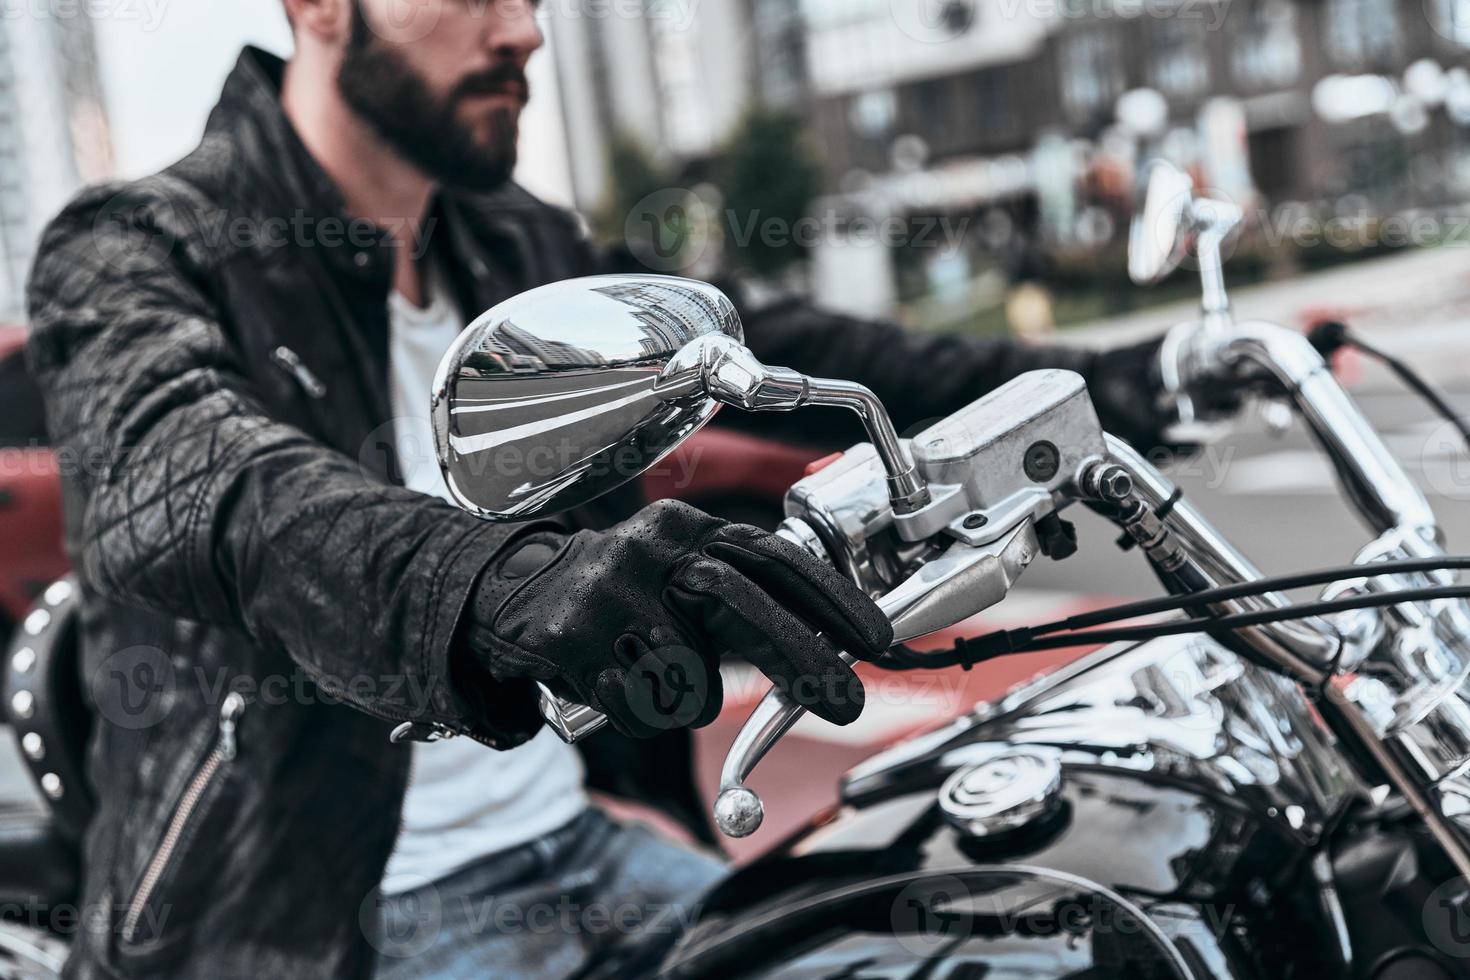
1159, 235
565, 392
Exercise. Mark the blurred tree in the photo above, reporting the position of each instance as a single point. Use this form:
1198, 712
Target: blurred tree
634, 174
769, 175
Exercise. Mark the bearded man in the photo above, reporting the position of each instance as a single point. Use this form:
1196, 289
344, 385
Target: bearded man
241, 348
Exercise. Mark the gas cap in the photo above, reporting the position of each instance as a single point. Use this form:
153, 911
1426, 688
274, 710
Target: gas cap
1003, 794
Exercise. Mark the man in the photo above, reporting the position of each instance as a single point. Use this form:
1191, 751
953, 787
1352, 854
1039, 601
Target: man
238, 350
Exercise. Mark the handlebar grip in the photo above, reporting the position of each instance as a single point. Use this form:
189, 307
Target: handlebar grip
573, 722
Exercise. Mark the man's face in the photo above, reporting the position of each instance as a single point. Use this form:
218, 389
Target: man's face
443, 82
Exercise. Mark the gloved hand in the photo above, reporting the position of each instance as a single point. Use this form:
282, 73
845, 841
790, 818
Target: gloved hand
1126, 384
633, 620
1127, 387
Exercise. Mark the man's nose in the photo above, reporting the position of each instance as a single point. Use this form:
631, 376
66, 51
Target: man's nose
511, 29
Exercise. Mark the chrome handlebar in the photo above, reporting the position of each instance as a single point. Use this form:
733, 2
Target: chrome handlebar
571, 721
967, 578
1215, 348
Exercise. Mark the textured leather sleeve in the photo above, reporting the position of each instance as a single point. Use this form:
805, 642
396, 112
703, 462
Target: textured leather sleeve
196, 503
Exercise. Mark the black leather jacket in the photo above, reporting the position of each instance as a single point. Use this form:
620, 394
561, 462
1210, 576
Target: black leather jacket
213, 344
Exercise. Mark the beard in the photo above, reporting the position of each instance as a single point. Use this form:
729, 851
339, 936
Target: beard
385, 91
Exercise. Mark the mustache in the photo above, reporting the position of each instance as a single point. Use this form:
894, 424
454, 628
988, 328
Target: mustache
501, 80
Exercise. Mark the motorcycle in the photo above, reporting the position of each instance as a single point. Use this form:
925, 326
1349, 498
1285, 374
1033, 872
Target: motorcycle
1234, 785
30, 503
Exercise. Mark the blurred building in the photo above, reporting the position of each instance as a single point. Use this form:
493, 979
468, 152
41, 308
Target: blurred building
1025, 119
1327, 97
675, 79
53, 130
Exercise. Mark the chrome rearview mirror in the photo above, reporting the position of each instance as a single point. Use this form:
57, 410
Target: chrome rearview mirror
1160, 234
1170, 221
565, 392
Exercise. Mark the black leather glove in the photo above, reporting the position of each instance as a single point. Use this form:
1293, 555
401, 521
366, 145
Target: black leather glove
1127, 387
633, 620
1125, 384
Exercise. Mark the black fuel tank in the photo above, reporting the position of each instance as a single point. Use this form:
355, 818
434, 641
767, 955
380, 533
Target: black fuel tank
1128, 877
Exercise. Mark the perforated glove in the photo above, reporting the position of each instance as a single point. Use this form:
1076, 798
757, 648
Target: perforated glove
633, 620
1126, 385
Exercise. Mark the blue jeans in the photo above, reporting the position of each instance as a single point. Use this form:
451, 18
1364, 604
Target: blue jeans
545, 909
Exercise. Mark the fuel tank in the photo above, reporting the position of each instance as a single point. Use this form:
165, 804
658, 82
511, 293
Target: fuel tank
1151, 810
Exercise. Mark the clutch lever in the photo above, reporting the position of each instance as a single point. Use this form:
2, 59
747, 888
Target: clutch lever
963, 581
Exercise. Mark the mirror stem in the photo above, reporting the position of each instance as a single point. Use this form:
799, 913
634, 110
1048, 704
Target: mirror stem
1212, 274
905, 489
732, 375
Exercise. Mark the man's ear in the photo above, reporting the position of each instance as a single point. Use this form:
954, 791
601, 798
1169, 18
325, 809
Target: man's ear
325, 20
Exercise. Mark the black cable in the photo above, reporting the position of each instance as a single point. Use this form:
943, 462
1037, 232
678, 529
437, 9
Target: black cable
1258, 587
906, 658
1265, 617
1332, 335
967, 653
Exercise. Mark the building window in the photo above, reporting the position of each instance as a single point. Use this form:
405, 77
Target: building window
934, 106
1361, 31
1092, 72
1178, 64
1269, 53
995, 98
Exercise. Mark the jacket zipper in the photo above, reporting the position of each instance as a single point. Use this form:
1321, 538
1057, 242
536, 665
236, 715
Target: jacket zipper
226, 747
294, 365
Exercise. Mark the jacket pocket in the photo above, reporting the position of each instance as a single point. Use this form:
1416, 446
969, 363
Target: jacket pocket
146, 915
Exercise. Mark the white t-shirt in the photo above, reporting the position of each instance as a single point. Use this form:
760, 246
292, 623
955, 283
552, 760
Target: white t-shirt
464, 800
